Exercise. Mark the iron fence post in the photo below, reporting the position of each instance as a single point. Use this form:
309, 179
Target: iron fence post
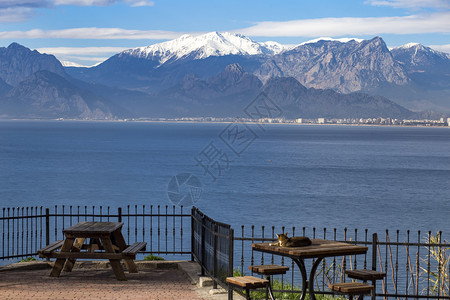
47, 226
192, 233
203, 253
119, 214
215, 256
374, 262
230, 259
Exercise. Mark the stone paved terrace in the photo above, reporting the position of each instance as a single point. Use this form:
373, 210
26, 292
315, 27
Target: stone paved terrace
155, 280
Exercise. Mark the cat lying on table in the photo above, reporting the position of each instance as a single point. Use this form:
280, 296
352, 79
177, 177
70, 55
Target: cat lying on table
296, 241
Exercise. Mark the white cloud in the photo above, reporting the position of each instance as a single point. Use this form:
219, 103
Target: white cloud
92, 33
81, 50
413, 24
85, 2
442, 48
410, 3
15, 14
138, 3
133, 3
23, 3
21, 10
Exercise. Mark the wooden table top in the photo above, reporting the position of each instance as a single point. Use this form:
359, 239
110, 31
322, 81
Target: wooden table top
318, 248
93, 228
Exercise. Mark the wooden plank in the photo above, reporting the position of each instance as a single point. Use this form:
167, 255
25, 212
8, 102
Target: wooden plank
248, 281
85, 255
59, 263
50, 248
269, 269
364, 274
134, 248
352, 287
77, 245
121, 244
94, 228
115, 263
318, 248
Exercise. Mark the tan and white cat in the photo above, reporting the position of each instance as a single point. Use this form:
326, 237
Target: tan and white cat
296, 241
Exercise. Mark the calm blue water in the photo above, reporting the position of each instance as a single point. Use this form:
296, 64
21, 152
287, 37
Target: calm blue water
322, 176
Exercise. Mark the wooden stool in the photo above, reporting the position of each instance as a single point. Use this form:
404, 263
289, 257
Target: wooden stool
269, 270
248, 283
366, 275
352, 288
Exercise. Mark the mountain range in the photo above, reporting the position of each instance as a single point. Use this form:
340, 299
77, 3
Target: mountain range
219, 74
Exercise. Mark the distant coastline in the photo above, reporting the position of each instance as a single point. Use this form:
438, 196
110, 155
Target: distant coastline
445, 123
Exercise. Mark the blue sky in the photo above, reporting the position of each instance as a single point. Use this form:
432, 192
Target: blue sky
89, 31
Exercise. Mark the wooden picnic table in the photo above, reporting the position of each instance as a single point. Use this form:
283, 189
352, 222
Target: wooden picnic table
318, 250
105, 242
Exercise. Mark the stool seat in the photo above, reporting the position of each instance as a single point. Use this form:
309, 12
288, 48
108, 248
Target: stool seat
269, 269
351, 288
365, 275
248, 282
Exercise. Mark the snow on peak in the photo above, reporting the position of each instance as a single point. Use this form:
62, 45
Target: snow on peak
66, 63
206, 45
416, 47
342, 40
410, 45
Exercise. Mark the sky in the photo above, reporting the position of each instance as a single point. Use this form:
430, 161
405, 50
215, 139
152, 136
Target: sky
87, 32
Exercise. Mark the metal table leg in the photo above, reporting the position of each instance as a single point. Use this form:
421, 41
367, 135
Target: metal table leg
310, 283
301, 265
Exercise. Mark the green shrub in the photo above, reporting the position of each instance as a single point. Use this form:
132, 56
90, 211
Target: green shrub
30, 258
153, 257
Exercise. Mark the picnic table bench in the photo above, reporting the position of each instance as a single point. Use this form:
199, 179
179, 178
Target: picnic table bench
105, 242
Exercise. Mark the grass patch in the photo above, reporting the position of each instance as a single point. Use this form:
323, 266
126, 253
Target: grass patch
30, 258
153, 257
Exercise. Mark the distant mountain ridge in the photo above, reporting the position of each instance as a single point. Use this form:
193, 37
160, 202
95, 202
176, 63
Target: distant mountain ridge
218, 74
229, 92
344, 65
201, 47
35, 85
18, 62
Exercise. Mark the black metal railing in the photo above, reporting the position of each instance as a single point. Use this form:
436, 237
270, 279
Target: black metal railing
212, 247
416, 266
24, 230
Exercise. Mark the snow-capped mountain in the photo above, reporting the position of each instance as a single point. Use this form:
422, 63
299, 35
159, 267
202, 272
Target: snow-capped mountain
415, 57
428, 68
203, 46
341, 40
345, 65
66, 63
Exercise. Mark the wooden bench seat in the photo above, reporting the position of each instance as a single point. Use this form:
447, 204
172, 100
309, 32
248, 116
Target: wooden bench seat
365, 275
351, 288
269, 269
48, 250
356, 288
248, 283
131, 250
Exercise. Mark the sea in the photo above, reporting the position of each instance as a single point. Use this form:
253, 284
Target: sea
321, 176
